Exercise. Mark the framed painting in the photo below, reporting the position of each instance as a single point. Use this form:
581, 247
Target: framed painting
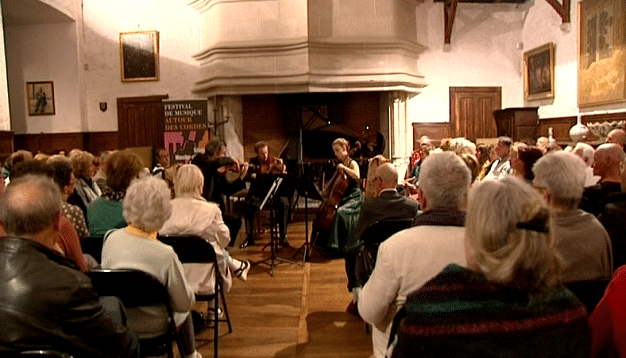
601, 52
139, 56
40, 98
539, 72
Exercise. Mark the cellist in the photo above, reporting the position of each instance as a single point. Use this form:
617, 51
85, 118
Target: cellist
342, 234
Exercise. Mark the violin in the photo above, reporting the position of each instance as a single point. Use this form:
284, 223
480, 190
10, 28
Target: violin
272, 166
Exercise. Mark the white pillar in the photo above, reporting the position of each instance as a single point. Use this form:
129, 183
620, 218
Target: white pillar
400, 134
5, 117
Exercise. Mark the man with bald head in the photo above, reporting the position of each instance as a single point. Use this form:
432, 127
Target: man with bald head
607, 160
388, 205
54, 306
617, 136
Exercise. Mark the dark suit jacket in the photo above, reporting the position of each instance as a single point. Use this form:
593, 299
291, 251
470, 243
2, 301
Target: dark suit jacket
388, 205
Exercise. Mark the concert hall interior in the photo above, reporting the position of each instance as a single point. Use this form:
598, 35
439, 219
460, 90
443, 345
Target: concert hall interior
214, 82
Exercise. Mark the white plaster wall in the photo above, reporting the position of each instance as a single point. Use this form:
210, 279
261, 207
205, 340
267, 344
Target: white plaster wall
542, 26
5, 118
70, 8
45, 52
179, 31
482, 53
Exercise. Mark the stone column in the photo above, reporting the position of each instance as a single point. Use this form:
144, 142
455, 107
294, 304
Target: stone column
400, 136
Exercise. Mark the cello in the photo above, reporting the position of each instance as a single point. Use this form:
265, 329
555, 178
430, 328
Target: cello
327, 211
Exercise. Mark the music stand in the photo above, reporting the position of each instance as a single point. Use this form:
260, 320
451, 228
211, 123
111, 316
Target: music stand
307, 189
273, 260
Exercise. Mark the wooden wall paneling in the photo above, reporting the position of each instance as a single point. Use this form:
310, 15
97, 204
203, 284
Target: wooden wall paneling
95, 142
560, 127
6, 145
434, 131
49, 142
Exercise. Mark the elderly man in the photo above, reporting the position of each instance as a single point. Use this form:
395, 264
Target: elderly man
501, 167
411, 257
54, 306
617, 136
579, 237
586, 153
607, 160
388, 205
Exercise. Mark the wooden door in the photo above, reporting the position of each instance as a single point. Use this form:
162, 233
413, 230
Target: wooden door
471, 111
140, 121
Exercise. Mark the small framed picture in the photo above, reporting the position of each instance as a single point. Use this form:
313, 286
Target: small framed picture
40, 98
539, 72
139, 56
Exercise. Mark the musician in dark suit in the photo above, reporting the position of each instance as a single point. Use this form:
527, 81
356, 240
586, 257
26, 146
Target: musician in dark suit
388, 205
261, 167
214, 164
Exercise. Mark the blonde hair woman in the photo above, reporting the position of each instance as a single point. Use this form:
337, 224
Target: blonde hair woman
510, 301
86, 190
194, 215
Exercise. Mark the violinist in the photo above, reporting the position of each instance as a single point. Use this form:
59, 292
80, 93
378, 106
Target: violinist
214, 164
261, 167
341, 235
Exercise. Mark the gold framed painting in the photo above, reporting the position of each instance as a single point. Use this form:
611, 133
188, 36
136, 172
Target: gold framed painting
601, 52
139, 56
539, 72
40, 98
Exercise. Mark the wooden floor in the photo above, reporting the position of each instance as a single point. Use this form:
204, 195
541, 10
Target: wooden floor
300, 312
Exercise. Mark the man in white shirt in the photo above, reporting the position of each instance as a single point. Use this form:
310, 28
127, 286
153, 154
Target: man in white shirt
411, 257
501, 167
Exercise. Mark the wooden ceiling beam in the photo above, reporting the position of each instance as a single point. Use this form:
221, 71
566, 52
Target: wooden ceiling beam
449, 12
562, 9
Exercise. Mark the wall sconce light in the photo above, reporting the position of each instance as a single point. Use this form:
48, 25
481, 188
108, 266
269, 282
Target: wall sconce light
103, 106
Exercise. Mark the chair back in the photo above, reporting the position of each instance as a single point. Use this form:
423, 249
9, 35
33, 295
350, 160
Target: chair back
42, 353
589, 292
92, 245
191, 249
382, 230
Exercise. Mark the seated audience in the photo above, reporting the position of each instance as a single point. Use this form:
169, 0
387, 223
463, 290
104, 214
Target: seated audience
523, 160
608, 320
194, 215
388, 205
14, 159
607, 160
486, 155
509, 302
411, 257
66, 181
162, 159
612, 218
579, 238
100, 176
501, 167
68, 242
542, 144
586, 152
46, 302
146, 207
86, 190
417, 157
105, 213
617, 136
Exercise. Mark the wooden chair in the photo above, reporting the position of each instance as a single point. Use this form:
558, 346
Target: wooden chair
136, 288
192, 249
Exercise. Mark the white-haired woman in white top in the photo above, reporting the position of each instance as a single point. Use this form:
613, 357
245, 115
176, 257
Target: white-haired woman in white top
194, 215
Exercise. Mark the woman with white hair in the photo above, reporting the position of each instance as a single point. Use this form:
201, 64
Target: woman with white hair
146, 207
194, 215
509, 301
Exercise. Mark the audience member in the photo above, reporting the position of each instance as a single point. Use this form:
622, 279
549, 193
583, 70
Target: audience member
14, 159
194, 215
388, 205
101, 177
162, 159
501, 167
542, 144
86, 189
524, 159
105, 213
46, 303
580, 239
607, 160
484, 154
417, 157
586, 152
617, 136
608, 320
66, 181
472, 164
509, 302
146, 207
411, 257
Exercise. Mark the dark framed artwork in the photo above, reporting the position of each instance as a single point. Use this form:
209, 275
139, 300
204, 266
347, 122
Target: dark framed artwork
601, 52
539, 72
40, 98
139, 56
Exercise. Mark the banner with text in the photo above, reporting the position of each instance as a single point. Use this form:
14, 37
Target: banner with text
186, 128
